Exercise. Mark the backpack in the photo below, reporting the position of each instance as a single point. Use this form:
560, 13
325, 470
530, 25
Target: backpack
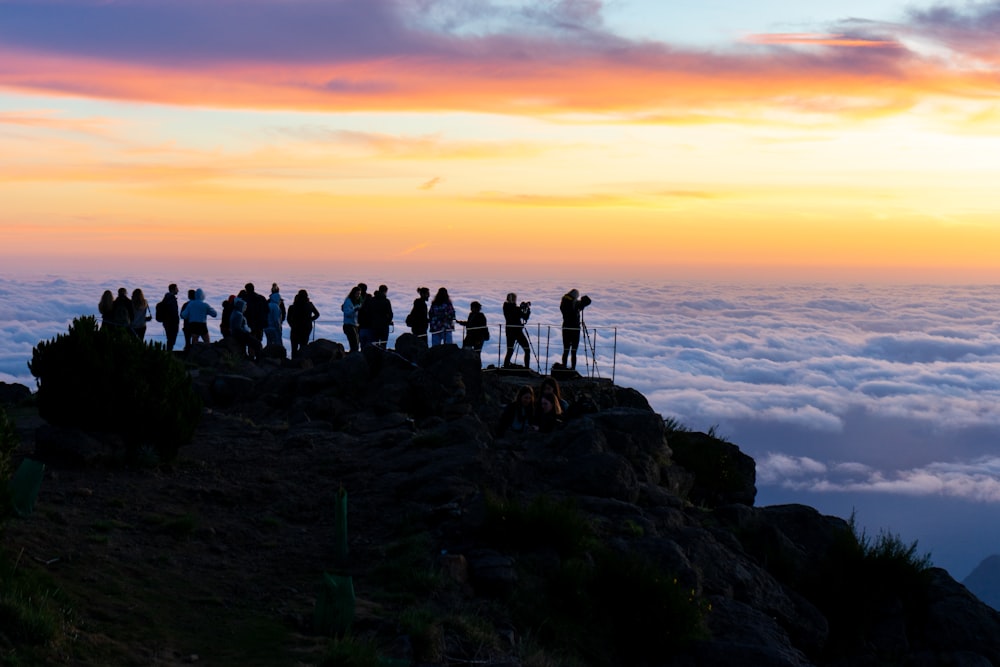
161, 311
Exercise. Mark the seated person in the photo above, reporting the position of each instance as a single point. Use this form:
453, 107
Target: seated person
519, 413
548, 416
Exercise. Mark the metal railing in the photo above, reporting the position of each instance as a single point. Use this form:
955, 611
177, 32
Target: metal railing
596, 355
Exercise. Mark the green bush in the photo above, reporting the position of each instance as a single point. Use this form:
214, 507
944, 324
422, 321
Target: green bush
860, 578
107, 380
596, 603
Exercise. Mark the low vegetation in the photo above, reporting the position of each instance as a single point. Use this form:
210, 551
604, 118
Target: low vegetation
106, 380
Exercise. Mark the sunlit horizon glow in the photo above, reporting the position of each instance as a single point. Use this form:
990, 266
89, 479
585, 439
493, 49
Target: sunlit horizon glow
499, 134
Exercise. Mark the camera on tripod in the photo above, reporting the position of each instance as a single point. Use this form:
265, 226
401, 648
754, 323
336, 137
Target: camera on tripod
525, 310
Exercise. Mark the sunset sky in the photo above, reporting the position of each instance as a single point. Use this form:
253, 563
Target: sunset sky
776, 139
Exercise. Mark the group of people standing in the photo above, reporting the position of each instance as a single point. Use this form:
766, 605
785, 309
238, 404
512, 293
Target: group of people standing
249, 317
128, 313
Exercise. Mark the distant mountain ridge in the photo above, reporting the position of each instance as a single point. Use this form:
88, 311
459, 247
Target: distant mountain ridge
984, 581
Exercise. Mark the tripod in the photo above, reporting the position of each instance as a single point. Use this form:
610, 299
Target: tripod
590, 360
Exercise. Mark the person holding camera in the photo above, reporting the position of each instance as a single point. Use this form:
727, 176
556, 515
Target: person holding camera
571, 307
515, 316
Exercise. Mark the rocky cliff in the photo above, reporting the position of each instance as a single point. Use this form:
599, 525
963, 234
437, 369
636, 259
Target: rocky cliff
610, 541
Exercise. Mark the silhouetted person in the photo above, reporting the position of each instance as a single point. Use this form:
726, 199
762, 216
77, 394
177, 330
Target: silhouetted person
476, 330
376, 312
301, 316
239, 330
514, 317
187, 323
106, 307
571, 307
168, 314
441, 316
140, 314
256, 311
417, 319
122, 312
351, 308
519, 415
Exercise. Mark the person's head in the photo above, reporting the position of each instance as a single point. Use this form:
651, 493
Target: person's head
383, 290
107, 300
303, 295
363, 288
239, 305
249, 288
190, 295
355, 293
138, 297
525, 396
123, 292
441, 296
274, 288
550, 386
547, 404
424, 292
511, 297
199, 294
172, 288
574, 294
475, 306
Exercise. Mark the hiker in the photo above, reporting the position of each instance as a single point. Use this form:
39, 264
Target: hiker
519, 414
550, 387
121, 312
301, 315
515, 317
548, 417
350, 307
571, 306
477, 331
256, 311
275, 317
239, 330
417, 319
167, 314
197, 313
441, 316
140, 314
376, 313
184, 316
106, 308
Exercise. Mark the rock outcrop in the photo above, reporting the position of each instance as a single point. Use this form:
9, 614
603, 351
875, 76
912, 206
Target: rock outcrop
766, 586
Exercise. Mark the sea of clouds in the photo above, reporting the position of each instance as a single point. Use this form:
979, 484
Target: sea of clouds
873, 399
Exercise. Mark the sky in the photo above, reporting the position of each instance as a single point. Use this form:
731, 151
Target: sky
772, 140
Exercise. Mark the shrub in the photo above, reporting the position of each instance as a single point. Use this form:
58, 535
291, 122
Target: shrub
861, 578
107, 380
603, 606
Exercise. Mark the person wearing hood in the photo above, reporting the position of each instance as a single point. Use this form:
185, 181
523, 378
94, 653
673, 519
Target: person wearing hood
275, 316
197, 313
239, 330
301, 315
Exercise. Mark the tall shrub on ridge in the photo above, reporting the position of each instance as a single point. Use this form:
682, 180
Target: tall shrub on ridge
107, 380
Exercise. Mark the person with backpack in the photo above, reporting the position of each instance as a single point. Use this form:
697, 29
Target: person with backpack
301, 316
477, 331
417, 319
168, 315
256, 311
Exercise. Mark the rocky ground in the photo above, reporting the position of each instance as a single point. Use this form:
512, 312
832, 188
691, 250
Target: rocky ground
217, 558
